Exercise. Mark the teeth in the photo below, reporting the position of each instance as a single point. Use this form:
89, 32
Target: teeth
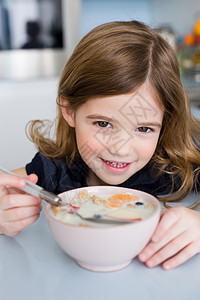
116, 165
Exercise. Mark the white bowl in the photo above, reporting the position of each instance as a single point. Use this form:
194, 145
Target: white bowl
106, 248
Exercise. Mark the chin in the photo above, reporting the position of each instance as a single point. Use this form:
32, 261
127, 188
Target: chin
113, 181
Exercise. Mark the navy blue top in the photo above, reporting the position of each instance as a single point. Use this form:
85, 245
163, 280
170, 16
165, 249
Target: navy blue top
56, 176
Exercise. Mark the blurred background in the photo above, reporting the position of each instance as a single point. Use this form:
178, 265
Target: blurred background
38, 36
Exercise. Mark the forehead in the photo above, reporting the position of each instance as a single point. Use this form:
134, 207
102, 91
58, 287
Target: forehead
137, 106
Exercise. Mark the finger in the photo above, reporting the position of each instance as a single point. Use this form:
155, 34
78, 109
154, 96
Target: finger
15, 233
3, 191
18, 200
152, 247
181, 257
168, 219
32, 178
169, 250
20, 213
14, 228
11, 180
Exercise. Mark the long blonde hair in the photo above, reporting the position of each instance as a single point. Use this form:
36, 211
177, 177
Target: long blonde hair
116, 58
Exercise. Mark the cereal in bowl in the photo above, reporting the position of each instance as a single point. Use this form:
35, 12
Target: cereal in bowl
117, 206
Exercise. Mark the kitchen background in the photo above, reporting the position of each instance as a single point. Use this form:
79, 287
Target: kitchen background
29, 74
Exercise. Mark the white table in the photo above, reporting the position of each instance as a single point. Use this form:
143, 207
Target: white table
34, 267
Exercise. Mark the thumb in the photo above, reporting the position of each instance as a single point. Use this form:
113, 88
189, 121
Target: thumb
32, 178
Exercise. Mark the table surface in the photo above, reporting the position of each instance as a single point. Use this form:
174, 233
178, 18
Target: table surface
34, 267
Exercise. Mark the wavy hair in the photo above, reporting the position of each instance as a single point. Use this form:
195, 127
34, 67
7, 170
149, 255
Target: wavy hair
117, 58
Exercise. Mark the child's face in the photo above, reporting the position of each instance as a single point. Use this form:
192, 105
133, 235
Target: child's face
117, 135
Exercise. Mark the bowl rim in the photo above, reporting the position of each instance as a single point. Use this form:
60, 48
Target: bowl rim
154, 199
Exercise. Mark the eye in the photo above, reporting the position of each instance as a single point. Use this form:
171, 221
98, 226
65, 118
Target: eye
103, 124
144, 129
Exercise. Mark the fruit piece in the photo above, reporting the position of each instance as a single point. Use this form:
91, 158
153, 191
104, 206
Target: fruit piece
119, 200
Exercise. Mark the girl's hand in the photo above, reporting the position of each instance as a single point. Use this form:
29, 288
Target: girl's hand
175, 240
17, 210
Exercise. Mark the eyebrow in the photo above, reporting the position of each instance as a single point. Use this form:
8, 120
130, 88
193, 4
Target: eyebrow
145, 124
100, 117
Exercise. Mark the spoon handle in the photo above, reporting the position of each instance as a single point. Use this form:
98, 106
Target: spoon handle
36, 190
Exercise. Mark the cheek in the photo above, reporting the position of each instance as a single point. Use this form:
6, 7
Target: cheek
146, 150
87, 144
83, 142
81, 138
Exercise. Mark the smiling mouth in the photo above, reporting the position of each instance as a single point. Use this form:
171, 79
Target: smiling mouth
115, 164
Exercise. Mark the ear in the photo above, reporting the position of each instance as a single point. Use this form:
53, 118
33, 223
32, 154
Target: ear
67, 114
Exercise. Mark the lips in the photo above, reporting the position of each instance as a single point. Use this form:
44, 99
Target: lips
115, 164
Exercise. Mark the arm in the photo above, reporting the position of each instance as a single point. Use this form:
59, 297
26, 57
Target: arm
17, 210
176, 239
20, 172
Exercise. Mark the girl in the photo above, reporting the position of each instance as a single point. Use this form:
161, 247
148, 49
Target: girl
123, 119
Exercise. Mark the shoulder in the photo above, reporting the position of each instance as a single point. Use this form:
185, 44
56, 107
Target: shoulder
56, 175
47, 171
39, 164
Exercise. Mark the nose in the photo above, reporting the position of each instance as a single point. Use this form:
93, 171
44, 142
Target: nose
121, 145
